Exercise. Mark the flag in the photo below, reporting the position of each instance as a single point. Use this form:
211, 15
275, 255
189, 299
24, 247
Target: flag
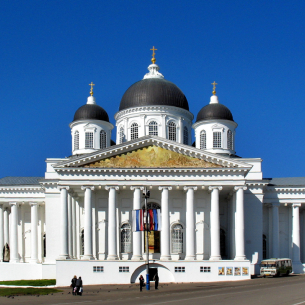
153, 220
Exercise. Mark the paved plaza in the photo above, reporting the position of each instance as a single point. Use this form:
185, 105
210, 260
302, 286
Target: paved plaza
283, 290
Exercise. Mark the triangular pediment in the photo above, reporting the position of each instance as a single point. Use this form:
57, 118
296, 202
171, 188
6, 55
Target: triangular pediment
151, 156
151, 152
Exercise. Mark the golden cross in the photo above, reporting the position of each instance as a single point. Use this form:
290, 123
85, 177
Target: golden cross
153, 60
214, 87
91, 91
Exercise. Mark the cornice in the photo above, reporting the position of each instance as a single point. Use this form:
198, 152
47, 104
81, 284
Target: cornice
285, 189
199, 171
148, 109
35, 189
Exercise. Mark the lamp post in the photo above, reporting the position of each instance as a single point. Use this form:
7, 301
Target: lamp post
146, 195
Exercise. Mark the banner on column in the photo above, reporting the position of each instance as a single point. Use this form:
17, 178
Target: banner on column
153, 220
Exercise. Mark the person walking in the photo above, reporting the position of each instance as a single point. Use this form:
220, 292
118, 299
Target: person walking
156, 279
73, 285
141, 279
79, 286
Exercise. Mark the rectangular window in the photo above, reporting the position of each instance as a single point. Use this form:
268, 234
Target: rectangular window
89, 140
124, 269
216, 139
179, 269
98, 268
205, 269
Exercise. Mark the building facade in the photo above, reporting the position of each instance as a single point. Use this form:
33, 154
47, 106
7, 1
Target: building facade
220, 217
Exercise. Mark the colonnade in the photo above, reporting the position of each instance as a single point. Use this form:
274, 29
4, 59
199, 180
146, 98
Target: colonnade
9, 230
165, 233
275, 231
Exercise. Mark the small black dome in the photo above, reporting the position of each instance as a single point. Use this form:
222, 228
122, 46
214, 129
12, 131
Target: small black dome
214, 112
153, 92
91, 112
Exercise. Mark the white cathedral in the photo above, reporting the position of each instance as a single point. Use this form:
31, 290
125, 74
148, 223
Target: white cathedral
219, 216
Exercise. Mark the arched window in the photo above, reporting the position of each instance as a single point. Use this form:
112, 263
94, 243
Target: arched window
264, 246
134, 131
122, 135
82, 243
203, 140
89, 140
177, 238
185, 136
153, 128
172, 131
102, 139
222, 243
217, 139
76, 140
230, 140
126, 238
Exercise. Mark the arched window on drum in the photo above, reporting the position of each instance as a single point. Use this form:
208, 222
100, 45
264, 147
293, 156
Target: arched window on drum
172, 133
203, 140
185, 136
134, 131
153, 128
230, 140
102, 139
76, 140
122, 135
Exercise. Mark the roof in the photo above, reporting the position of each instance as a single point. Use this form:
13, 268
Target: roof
20, 180
214, 112
91, 112
288, 181
153, 92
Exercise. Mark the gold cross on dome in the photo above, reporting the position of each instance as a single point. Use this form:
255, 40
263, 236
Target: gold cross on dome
153, 60
91, 90
214, 87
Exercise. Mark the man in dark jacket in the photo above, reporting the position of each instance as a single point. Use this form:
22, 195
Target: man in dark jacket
73, 284
79, 286
156, 279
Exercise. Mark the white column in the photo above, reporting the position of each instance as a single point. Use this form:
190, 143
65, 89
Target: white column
74, 255
181, 131
88, 249
137, 238
296, 233
165, 233
275, 230
239, 224
64, 251
14, 257
1, 233
162, 130
6, 226
70, 225
190, 223
34, 232
112, 246
214, 223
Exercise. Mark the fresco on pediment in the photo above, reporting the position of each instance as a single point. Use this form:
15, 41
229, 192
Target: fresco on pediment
151, 156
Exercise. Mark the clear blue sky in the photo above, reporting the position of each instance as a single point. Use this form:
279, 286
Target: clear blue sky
51, 50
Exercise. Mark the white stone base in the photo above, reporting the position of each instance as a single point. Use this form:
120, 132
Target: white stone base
26, 271
167, 271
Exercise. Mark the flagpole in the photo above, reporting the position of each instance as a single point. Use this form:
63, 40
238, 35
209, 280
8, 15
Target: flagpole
146, 196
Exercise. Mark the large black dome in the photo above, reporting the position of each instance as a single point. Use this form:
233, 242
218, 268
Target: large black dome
91, 112
214, 112
153, 92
